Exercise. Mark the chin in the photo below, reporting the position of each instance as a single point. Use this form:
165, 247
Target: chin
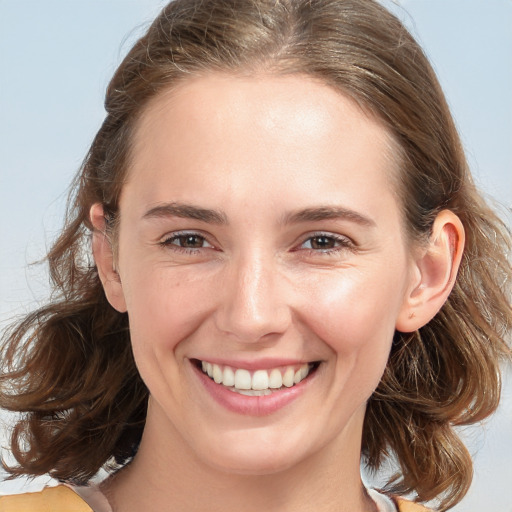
253, 455
257, 465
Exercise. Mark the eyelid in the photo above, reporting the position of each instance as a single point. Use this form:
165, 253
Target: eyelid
166, 240
344, 242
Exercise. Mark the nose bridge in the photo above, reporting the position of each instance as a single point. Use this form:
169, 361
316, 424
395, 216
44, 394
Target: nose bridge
253, 300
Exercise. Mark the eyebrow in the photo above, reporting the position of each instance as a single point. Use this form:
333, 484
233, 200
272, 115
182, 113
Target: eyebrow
315, 214
326, 213
186, 211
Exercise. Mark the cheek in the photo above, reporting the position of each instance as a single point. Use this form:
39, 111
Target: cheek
165, 306
356, 310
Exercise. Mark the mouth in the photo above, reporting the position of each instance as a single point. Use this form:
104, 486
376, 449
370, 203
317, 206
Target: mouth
260, 382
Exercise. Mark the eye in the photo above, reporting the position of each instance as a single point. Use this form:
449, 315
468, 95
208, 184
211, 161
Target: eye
326, 242
186, 241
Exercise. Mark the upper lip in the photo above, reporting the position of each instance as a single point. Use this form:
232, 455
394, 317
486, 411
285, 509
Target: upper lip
255, 364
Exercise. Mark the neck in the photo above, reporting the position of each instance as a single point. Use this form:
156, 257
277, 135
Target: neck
168, 476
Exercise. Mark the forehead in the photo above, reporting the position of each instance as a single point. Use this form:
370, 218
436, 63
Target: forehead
262, 131
294, 104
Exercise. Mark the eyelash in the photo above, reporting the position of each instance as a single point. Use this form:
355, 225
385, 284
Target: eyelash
340, 243
168, 242
343, 243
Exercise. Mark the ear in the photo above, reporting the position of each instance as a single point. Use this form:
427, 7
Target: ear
435, 269
105, 261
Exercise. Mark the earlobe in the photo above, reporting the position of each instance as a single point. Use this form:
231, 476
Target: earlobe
434, 274
105, 260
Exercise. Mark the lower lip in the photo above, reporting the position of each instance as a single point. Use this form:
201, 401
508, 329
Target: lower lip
252, 405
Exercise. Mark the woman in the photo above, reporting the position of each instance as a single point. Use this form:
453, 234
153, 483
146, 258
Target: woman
291, 268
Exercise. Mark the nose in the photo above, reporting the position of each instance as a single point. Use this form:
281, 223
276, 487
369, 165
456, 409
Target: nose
252, 301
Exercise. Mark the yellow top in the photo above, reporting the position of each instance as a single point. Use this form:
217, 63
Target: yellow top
407, 506
63, 499
50, 499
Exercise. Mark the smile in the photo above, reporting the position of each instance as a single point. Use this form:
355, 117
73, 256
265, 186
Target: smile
258, 382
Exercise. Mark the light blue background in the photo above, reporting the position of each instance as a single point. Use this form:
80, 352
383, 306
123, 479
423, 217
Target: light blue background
56, 57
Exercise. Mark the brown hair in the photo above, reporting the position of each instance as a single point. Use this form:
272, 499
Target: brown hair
68, 366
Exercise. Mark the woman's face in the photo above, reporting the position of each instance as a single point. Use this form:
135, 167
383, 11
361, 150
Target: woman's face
261, 239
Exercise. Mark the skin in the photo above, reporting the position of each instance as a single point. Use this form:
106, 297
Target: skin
261, 282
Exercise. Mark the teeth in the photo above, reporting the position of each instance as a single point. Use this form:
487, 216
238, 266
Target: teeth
275, 379
260, 380
300, 374
242, 379
252, 392
288, 377
228, 377
218, 374
259, 383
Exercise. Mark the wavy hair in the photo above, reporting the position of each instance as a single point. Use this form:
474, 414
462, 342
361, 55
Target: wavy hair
68, 367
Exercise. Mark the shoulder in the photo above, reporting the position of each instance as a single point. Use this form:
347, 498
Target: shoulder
409, 506
50, 499
389, 502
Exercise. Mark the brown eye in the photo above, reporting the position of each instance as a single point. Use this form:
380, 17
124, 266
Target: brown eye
186, 241
326, 243
323, 242
190, 241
